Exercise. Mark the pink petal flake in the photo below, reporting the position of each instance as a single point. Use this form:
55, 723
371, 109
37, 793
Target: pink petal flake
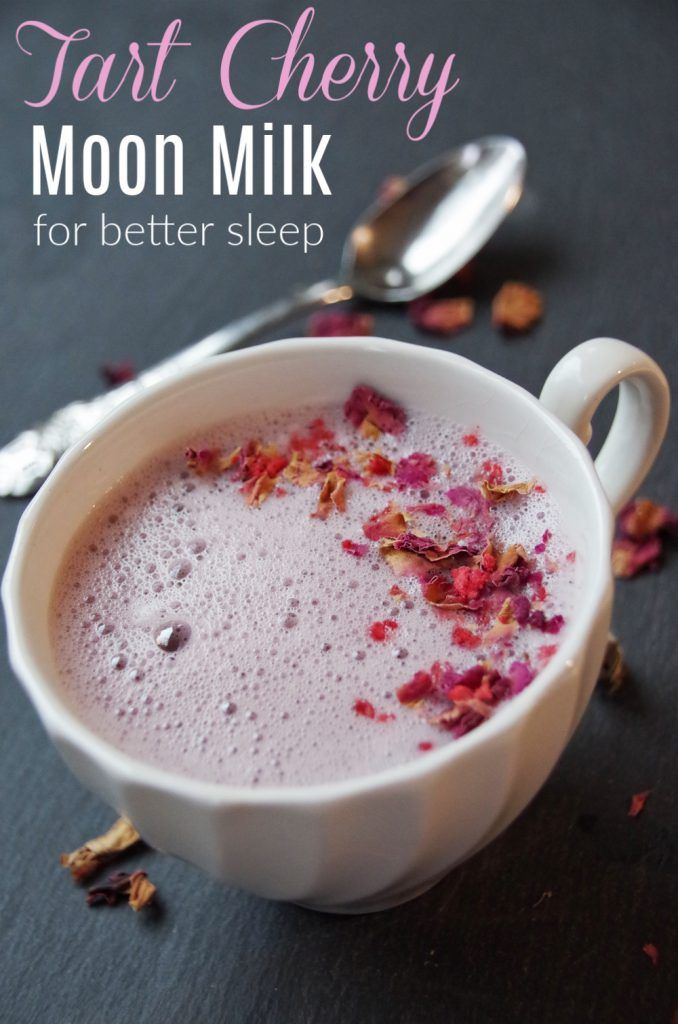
115, 374
355, 549
340, 325
415, 470
444, 317
637, 804
366, 404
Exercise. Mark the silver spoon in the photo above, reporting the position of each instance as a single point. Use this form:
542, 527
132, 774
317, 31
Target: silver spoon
397, 251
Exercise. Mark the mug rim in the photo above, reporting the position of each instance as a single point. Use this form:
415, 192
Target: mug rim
62, 723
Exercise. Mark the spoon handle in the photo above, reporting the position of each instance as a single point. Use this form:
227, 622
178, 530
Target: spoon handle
27, 461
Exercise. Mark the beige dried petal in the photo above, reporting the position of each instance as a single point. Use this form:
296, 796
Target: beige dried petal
613, 671
332, 495
263, 486
299, 471
516, 308
84, 861
141, 891
498, 492
369, 430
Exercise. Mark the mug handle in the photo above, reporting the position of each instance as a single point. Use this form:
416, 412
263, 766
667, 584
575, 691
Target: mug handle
577, 385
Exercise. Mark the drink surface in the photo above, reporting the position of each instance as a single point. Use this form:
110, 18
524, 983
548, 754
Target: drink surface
253, 613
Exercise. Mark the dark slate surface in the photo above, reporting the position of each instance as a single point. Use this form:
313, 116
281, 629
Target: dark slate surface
589, 87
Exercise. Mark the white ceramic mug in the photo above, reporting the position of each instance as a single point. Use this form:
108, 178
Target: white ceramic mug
371, 842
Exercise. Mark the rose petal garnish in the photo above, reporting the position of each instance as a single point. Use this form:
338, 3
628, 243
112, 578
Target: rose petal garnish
651, 951
387, 524
512, 567
638, 801
516, 308
441, 316
318, 439
405, 563
300, 472
472, 520
348, 324
352, 548
416, 470
115, 374
613, 670
643, 518
257, 489
364, 403
641, 528
465, 638
629, 557
440, 592
378, 465
425, 546
499, 492
419, 686
204, 460
88, 858
428, 508
538, 620
366, 709
332, 495
136, 886
380, 631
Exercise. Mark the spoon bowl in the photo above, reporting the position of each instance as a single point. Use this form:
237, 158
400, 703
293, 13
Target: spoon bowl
446, 212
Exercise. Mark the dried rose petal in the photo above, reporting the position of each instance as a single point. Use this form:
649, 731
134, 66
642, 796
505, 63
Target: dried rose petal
425, 546
415, 470
378, 465
385, 525
520, 676
419, 686
203, 460
340, 325
553, 625
352, 548
613, 670
141, 891
300, 472
318, 439
471, 518
516, 308
651, 951
499, 492
364, 403
465, 638
88, 858
428, 508
364, 708
638, 801
405, 563
332, 495
442, 316
115, 374
470, 440
629, 557
643, 518
135, 886
380, 631
641, 527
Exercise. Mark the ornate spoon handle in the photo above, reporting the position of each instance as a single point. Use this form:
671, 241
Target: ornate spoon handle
29, 459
